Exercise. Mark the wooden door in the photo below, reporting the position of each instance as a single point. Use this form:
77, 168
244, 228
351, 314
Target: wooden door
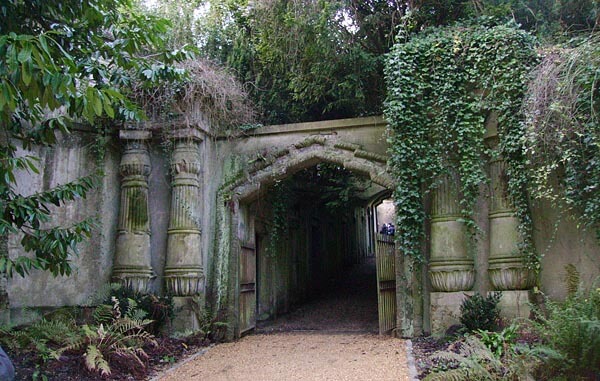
247, 288
386, 282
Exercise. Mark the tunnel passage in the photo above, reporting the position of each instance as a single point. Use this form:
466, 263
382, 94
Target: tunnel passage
315, 248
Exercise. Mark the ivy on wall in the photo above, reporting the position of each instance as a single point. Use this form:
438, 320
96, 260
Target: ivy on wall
442, 83
562, 123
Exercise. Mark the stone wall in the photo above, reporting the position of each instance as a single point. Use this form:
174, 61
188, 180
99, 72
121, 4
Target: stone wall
70, 159
193, 210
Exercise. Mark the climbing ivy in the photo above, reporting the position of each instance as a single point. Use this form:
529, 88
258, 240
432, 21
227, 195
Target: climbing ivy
562, 123
442, 84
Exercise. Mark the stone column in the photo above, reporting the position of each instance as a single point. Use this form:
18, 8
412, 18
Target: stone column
451, 271
507, 270
184, 274
450, 268
132, 254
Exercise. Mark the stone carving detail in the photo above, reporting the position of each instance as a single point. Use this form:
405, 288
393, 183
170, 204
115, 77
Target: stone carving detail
184, 274
132, 262
506, 268
450, 269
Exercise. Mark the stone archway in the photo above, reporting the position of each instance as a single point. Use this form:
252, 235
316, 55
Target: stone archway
265, 170
282, 163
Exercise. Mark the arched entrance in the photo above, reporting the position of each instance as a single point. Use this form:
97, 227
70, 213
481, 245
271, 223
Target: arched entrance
355, 235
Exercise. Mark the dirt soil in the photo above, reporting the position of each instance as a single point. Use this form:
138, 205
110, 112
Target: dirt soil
333, 337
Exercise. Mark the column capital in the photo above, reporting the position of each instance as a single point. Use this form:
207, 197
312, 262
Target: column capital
185, 133
135, 134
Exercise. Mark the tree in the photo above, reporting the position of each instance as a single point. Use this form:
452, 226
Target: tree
65, 62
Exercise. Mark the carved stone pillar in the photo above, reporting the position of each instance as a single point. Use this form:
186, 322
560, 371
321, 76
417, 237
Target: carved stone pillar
132, 266
506, 266
184, 274
450, 269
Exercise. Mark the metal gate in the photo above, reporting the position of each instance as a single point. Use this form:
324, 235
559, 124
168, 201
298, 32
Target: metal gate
247, 288
386, 282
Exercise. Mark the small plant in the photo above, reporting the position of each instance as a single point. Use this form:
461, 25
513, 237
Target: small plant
209, 326
170, 359
134, 305
472, 359
42, 336
500, 342
124, 338
466, 359
480, 312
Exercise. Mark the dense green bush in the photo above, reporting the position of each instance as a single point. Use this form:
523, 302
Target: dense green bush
480, 312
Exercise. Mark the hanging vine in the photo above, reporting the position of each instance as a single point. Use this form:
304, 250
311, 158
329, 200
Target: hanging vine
441, 85
562, 138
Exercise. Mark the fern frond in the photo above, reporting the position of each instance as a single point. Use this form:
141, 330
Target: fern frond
136, 314
95, 361
103, 314
459, 374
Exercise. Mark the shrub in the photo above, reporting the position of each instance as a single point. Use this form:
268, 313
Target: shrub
480, 312
157, 308
573, 329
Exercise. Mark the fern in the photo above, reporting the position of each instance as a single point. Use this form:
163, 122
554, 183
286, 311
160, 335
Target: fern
103, 314
94, 360
468, 360
124, 338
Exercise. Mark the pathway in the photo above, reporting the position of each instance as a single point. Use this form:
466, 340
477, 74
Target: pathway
331, 338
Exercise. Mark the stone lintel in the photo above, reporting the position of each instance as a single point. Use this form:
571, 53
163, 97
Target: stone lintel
135, 134
187, 133
444, 310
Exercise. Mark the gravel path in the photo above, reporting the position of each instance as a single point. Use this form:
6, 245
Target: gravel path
300, 356
333, 337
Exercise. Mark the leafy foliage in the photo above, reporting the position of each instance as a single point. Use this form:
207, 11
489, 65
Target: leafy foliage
138, 306
42, 336
61, 62
572, 328
442, 84
304, 59
499, 342
471, 359
480, 312
563, 130
123, 338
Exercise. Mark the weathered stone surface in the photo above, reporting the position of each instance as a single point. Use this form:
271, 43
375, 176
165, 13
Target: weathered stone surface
444, 310
450, 268
507, 270
186, 311
515, 304
555, 234
132, 264
184, 273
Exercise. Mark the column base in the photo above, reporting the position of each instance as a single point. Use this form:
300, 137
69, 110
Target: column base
444, 310
515, 304
187, 310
